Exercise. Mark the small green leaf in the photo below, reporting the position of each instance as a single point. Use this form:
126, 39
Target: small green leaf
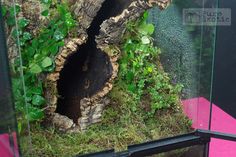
46, 62
146, 29
23, 22
150, 29
35, 69
38, 100
145, 15
145, 40
54, 49
58, 35
150, 69
50, 68
16, 33
27, 36
69, 20
19, 126
45, 13
35, 114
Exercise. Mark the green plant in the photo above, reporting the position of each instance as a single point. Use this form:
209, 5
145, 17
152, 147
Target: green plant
37, 53
141, 73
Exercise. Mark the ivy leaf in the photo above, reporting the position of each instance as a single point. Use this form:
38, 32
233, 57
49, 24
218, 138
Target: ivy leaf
45, 13
35, 114
145, 40
58, 35
23, 22
150, 69
27, 36
150, 29
50, 68
38, 100
69, 20
53, 49
145, 15
146, 29
46, 62
35, 69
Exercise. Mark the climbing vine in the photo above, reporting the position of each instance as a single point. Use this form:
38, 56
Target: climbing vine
142, 74
37, 53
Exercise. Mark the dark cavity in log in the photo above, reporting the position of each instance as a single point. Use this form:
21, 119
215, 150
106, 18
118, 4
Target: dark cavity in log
86, 71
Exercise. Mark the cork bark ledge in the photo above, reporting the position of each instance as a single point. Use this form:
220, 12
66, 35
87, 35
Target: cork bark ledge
87, 65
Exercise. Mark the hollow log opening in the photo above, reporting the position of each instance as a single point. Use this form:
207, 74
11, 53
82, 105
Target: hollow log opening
86, 71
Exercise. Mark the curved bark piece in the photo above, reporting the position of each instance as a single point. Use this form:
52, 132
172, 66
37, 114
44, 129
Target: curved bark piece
113, 29
110, 35
85, 11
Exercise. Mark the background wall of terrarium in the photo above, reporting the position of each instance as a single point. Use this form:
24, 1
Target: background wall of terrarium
187, 50
187, 55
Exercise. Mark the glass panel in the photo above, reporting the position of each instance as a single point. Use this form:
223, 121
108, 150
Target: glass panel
66, 96
8, 137
8, 128
187, 54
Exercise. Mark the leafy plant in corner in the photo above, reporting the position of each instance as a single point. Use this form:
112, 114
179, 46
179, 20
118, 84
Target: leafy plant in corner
142, 74
38, 53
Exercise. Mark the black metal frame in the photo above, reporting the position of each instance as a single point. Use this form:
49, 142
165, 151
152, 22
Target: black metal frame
198, 137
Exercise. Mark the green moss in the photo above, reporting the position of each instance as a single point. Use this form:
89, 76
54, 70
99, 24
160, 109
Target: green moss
119, 128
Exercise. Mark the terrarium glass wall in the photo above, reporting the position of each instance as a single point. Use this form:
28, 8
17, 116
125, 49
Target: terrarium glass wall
78, 91
188, 48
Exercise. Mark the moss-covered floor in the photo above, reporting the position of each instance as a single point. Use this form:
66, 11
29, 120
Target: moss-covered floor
120, 127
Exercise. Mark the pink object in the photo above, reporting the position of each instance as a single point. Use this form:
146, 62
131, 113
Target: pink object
198, 109
6, 149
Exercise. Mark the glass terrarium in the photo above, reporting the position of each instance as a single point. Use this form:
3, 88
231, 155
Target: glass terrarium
117, 78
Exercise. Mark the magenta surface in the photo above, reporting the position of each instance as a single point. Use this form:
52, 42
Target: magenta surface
198, 109
5, 148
